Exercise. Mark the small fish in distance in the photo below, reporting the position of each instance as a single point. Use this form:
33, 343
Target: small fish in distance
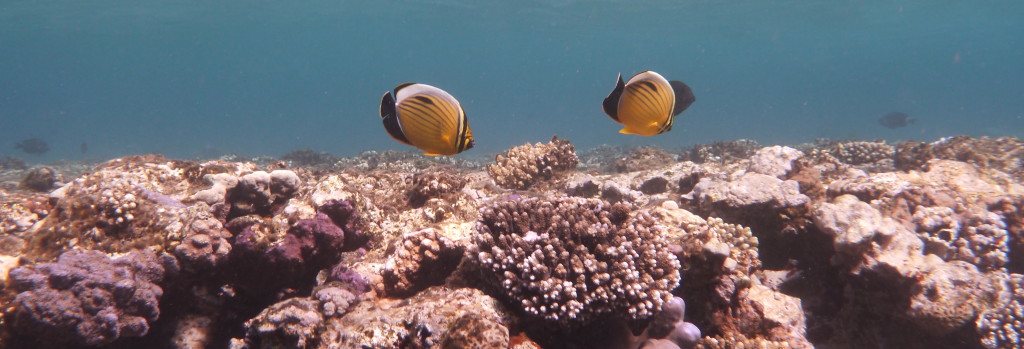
896, 120
34, 146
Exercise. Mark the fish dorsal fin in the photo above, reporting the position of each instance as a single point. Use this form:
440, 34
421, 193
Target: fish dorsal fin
400, 87
390, 118
611, 103
684, 96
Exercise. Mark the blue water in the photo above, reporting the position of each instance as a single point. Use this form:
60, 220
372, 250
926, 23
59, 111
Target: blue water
204, 78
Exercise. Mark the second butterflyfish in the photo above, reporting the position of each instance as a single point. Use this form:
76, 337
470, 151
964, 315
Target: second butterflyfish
647, 104
426, 117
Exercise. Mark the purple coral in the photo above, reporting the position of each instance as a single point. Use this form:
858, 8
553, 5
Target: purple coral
86, 298
309, 245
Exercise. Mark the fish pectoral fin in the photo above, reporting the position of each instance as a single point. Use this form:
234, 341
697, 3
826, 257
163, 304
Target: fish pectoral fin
432, 154
627, 131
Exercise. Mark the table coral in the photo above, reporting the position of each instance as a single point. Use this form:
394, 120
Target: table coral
86, 298
571, 261
523, 166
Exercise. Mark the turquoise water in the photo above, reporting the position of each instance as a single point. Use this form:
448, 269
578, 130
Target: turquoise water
200, 78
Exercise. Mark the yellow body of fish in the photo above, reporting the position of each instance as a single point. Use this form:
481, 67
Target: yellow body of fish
648, 104
426, 117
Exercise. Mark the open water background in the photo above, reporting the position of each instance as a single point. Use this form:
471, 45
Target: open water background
198, 79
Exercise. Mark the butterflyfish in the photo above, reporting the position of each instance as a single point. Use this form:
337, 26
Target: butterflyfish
647, 104
426, 117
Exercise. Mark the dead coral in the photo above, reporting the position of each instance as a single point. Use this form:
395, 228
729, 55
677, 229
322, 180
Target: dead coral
434, 183
644, 158
523, 166
1003, 153
421, 259
720, 152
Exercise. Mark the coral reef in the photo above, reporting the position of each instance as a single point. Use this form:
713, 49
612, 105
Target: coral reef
308, 157
1002, 326
644, 158
720, 151
570, 261
523, 166
421, 259
434, 183
858, 152
86, 298
816, 245
39, 179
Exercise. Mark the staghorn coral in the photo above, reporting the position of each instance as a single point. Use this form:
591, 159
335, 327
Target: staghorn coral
421, 259
86, 298
1003, 326
523, 166
571, 261
858, 152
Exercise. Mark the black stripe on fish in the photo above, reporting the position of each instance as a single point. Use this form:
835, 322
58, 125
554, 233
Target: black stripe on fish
390, 118
611, 103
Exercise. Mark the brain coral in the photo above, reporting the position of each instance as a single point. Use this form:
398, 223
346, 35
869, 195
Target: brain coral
573, 260
522, 166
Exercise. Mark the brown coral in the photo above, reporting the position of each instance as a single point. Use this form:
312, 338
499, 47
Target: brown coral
523, 166
571, 261
421, 259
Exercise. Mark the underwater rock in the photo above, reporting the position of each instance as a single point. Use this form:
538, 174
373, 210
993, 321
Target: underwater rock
41, 179
293, 323
523, 166
12, 163
421, 259
86, 298
425, 320
261, 193
644, 158
307, 157
571, 261
434, 184
775, 161
308, 246
125, 204
720, 152
669, 326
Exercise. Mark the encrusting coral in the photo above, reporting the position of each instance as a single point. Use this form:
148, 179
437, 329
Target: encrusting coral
86, 298
571, 261
523, 166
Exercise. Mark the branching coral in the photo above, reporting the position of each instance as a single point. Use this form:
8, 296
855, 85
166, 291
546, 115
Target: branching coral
525, 165
573, 260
